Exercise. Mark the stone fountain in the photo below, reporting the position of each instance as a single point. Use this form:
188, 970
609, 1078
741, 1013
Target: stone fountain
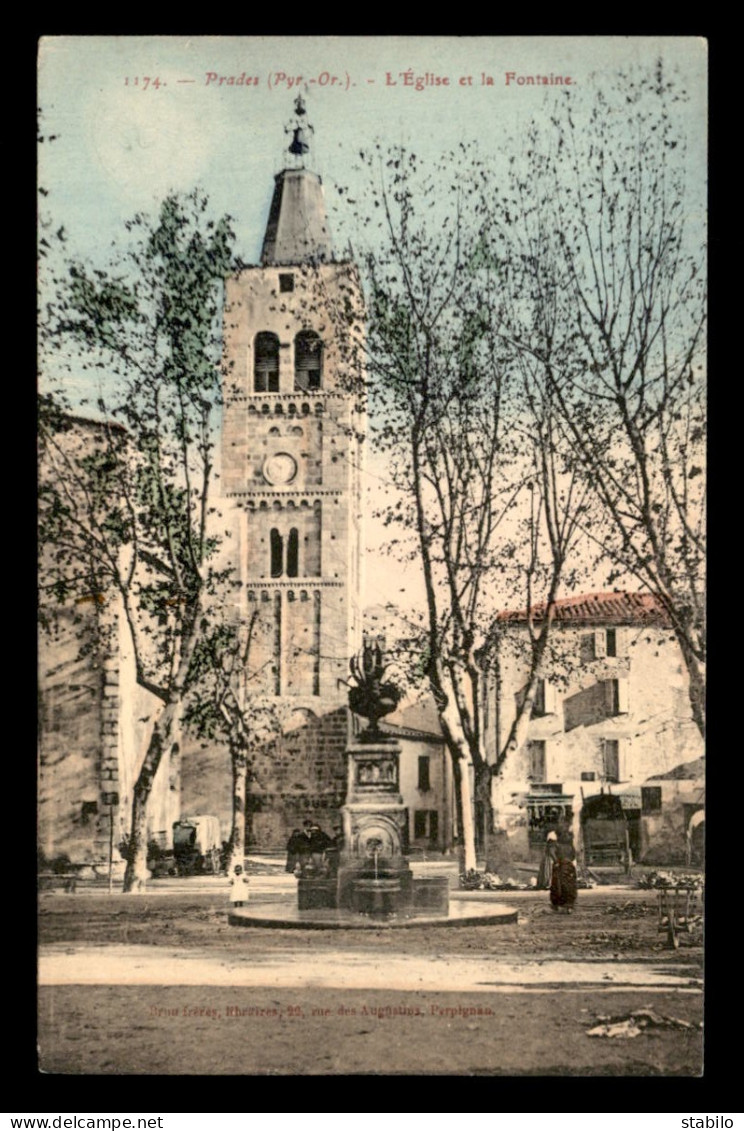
370, 883
374, 877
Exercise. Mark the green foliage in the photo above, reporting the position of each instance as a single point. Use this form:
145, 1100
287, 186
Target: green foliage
209, 680
222, 697
125, 494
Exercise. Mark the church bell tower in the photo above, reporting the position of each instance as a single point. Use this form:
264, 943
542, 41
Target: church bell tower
291, 445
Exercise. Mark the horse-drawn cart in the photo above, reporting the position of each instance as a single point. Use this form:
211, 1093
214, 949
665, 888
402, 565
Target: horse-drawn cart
604, 833
197, 846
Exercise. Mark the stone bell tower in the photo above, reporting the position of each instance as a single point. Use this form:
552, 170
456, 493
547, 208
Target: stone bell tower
291, 445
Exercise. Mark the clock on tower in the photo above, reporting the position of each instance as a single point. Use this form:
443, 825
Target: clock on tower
291, 447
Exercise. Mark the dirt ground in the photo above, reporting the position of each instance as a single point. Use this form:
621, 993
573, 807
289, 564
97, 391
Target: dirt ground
216, 1030
118, 1030
604, 925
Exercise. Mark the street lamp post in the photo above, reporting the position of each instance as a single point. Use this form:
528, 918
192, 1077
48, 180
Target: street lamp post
111, 799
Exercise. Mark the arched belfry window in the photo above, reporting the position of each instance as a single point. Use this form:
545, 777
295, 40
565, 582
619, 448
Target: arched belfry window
281, 567
266, 363
292, 553
308, 360
277, 553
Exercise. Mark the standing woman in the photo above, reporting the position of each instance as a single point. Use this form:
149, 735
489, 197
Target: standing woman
545, 872
564, 882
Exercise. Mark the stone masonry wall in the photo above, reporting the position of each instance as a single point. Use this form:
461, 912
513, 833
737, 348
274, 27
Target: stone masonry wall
301, 776
71, 720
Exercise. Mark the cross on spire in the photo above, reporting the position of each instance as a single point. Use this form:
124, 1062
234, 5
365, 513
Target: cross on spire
299, 145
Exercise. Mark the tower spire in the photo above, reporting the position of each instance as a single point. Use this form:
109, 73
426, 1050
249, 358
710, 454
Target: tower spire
297, 229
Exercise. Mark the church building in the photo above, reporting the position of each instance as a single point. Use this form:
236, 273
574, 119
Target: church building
293, 429
291, 448
292, 438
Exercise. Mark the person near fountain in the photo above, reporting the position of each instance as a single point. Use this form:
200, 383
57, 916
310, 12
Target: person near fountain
320, 842
238, 887
333, 852
564, 882
303, 847
545, 872
295, 849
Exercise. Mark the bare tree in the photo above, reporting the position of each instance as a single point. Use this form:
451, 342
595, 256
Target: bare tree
470, 440
133, 518
608, 248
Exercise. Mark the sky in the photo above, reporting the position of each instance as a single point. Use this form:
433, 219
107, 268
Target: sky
135, 117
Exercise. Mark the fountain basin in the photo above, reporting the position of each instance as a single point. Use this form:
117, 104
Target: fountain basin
315, 894
462, 913
431, 895
376, 897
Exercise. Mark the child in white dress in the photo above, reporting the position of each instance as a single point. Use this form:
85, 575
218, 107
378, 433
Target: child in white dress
238, 887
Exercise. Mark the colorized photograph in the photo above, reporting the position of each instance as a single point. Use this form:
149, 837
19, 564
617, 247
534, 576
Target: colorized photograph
372, 555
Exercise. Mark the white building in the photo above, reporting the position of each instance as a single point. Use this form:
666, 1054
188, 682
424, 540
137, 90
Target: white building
426, 785
610, 713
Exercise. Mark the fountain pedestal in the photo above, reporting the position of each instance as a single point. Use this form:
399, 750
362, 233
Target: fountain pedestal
374, 877
314, 895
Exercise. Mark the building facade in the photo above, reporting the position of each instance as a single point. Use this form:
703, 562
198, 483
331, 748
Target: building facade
93, 715
610, 713
425, 777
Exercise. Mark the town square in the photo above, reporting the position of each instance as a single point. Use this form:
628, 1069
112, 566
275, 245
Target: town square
372, 556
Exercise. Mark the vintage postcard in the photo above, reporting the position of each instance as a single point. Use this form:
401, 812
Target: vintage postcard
372, 555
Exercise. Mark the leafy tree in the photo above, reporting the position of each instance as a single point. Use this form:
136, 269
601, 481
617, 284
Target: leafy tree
132, 516
536, 348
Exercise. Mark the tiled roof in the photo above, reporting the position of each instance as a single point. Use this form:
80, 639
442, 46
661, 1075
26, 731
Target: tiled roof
395, 730
416, 719
598, 609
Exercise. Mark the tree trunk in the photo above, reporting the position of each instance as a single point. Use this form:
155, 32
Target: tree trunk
239, 762
456, 786
466, 830
451, 729
161, 739
483, 798
165, 735
696, 682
